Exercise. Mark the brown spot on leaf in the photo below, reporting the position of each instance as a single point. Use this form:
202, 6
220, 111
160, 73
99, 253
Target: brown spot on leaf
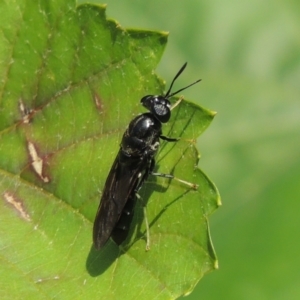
98, 102
26, 113
17, 204
37, 162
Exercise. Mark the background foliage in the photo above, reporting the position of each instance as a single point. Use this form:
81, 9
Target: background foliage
248, 55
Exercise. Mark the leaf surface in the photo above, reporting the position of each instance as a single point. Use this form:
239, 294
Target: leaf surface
71, 82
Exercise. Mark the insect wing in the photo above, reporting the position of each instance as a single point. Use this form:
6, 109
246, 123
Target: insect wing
119, 188
120, 231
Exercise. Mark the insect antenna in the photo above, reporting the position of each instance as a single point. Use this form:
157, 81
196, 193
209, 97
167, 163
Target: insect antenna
168, 95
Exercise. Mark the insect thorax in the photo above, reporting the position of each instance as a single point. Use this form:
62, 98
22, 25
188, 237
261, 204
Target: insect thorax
142, 136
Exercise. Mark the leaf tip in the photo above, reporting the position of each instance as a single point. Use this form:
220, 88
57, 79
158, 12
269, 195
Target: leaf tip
213, 113
216, 264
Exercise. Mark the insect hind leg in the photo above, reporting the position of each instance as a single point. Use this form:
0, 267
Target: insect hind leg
146, 222
191, 185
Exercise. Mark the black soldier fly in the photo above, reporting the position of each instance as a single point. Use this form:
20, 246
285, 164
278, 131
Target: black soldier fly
132, 166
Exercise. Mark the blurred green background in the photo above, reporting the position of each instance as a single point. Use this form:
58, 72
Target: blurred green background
248, 56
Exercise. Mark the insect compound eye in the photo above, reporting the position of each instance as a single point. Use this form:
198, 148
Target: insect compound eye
161, 109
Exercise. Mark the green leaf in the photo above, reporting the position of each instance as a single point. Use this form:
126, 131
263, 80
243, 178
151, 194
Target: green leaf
71, 82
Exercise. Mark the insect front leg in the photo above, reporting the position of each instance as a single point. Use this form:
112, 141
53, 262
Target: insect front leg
168, 139
177, 103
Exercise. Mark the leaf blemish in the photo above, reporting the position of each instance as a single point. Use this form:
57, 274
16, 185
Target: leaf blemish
41, 280
17, 204
37, 162
98, 103
25, 112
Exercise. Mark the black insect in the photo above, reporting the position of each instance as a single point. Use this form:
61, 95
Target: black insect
132, 166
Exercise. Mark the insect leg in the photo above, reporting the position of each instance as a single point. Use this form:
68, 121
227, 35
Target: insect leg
177, 103
192, 185
168, 139
150, 166
146, 222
